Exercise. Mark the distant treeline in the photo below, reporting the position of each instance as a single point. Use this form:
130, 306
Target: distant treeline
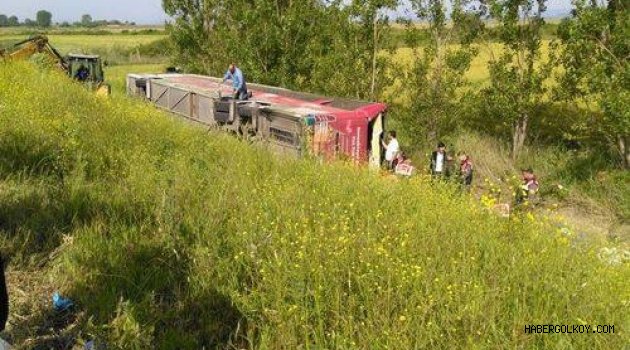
88, 31
43, 18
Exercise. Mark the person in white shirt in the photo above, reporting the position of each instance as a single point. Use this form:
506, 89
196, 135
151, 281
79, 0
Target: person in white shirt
391, 149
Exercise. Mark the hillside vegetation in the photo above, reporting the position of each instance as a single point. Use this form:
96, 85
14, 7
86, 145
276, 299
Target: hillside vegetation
166, 235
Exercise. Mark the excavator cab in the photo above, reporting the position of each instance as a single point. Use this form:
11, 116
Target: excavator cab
88, 69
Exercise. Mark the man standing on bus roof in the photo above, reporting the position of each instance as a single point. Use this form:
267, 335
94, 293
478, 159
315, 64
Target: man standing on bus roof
238, 82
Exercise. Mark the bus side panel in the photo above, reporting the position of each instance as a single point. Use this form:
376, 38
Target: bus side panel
284, 135
353, 139
205, 110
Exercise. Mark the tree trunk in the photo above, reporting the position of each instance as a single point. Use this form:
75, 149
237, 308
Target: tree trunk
438, 103
432, 135
624, 150
520, 133
374, 53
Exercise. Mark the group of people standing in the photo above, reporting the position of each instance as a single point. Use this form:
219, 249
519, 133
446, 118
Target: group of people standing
441, 166
440, 162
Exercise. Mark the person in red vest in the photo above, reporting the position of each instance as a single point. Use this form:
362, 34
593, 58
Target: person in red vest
465, 170
529, 188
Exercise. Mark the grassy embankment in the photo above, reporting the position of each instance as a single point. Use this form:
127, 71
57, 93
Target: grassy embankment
166, 236
593, 196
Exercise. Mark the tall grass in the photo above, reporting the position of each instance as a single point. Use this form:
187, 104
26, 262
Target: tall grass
168, 236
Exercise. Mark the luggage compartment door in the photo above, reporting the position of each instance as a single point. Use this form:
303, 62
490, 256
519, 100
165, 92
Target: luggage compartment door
375, 135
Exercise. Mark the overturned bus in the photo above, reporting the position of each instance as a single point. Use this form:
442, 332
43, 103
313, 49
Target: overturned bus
288, 121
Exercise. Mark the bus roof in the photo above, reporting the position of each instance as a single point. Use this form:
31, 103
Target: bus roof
298, 104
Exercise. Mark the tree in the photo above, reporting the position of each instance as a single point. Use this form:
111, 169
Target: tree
4, 20
29, 22
595, 54
350, 62
435, 81
14, 21
516, 79
44, 19
279, 43
371, 32
86, 20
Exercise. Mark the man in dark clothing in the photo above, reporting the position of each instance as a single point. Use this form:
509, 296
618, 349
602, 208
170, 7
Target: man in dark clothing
82, 74
439, 159
4, 298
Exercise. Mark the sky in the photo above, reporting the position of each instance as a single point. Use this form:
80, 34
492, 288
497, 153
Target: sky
139, 11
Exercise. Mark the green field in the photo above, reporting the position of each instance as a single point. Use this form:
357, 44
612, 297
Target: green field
115, 29
114, 49
89, 43
116, 75
478, 73
167, 236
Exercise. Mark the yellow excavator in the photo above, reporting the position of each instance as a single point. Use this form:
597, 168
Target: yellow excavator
87, 69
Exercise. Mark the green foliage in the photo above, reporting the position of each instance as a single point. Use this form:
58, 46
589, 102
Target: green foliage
44, 19
13, 21
613, 189
436, 77
305, 45
517, 75
4, 20
167, 236
86, 20
594, 54
582, 180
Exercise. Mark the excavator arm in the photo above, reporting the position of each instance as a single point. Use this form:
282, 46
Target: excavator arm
94, 77
35, 45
